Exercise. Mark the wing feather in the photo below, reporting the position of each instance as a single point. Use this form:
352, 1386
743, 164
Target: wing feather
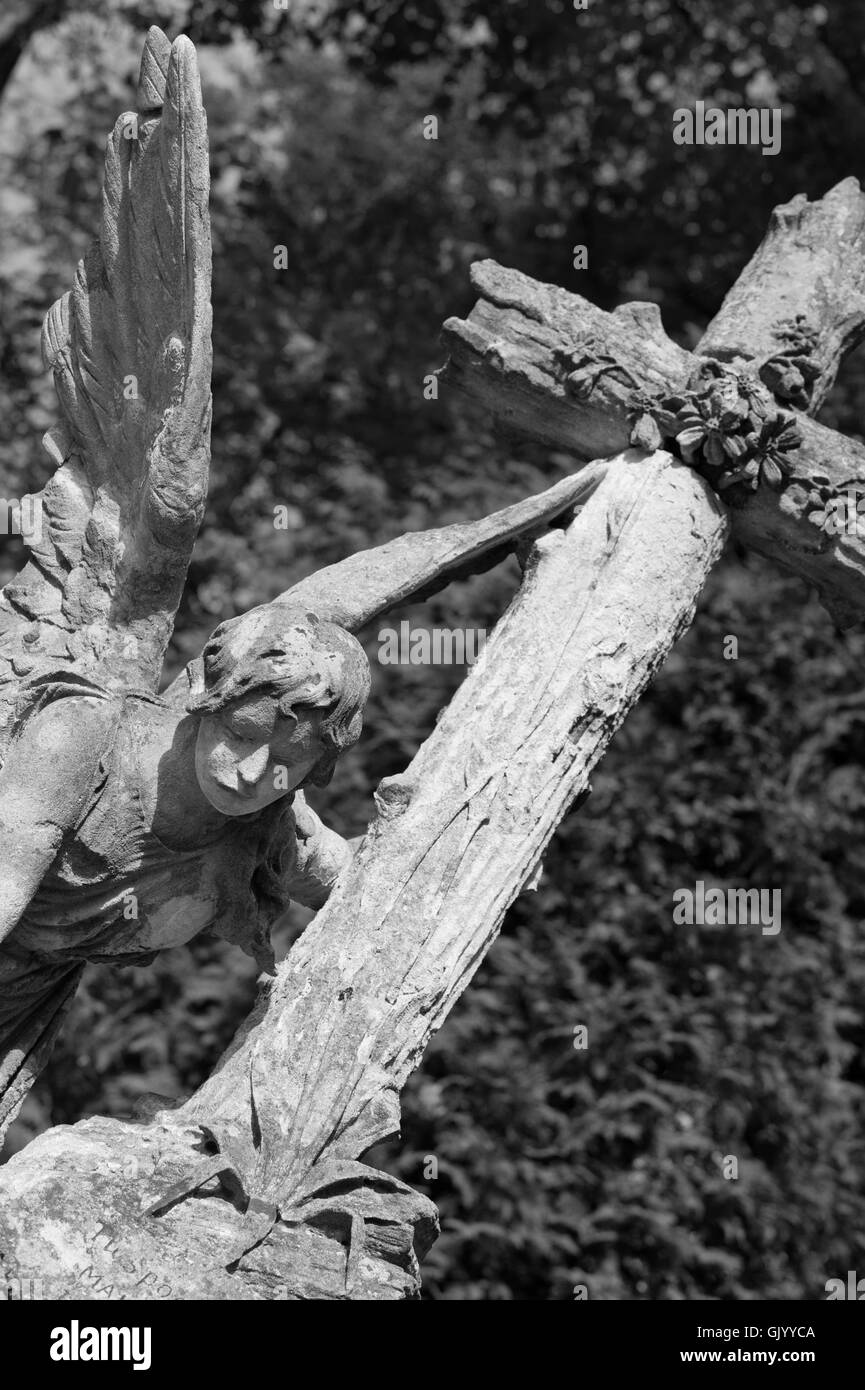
129, 349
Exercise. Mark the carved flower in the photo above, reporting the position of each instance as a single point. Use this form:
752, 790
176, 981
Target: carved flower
712, 424
778, 438
791, 377
728, 425
798, 333
772, 447
791, 371
749, 473
761, 406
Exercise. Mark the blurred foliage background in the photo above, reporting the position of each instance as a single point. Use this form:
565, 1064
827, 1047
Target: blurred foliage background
555, 1167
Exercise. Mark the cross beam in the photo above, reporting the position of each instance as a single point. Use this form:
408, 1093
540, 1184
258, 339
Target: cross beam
554, 368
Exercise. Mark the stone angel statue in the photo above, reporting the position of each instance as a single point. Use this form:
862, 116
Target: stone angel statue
131, 820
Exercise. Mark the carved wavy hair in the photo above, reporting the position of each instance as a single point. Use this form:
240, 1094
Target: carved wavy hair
301, 660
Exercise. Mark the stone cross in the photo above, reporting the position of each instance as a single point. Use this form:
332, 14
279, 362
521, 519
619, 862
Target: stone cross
679, 451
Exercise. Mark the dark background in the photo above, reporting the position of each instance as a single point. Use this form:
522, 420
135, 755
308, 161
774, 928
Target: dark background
555, 1166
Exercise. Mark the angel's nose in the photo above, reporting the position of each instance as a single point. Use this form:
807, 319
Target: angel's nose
252, 769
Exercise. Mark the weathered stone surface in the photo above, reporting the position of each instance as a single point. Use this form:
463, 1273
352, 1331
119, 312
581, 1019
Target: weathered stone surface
800, 298
129, 347
71, 1215
554, 367
131, 822
255, 1187
313, 1079
357, 590
521, 346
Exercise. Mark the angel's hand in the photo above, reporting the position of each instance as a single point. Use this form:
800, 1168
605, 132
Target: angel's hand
322, 854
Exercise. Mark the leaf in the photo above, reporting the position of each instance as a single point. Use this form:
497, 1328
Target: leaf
646, 434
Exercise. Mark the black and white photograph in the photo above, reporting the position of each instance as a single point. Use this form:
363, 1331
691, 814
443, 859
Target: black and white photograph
432, 636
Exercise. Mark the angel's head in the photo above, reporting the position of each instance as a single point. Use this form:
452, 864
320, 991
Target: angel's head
283, 695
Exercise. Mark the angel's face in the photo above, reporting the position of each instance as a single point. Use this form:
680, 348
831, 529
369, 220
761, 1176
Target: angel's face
249, 754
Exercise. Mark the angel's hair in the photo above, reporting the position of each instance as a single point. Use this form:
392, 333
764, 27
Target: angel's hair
303, 662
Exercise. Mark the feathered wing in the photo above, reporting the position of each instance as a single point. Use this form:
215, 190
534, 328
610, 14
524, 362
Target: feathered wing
130, 351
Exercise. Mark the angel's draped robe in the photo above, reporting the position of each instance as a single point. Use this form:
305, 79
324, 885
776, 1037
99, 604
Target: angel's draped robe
115, 893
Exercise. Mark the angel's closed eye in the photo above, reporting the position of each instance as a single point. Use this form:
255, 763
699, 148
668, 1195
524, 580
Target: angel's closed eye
242, 733
246, 727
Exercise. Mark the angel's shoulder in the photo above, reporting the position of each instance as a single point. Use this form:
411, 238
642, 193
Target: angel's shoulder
77, 719
56, 755
65, 713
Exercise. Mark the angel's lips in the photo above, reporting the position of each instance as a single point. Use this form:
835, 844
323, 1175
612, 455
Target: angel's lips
231, 801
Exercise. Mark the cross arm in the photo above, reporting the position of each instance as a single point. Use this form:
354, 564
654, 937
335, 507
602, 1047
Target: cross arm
553, 367
801, 297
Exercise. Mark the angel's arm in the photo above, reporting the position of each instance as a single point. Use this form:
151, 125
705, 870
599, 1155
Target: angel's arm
322, 855
44, 785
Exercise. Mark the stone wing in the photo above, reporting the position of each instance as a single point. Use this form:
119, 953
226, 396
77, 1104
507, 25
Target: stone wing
129, 346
